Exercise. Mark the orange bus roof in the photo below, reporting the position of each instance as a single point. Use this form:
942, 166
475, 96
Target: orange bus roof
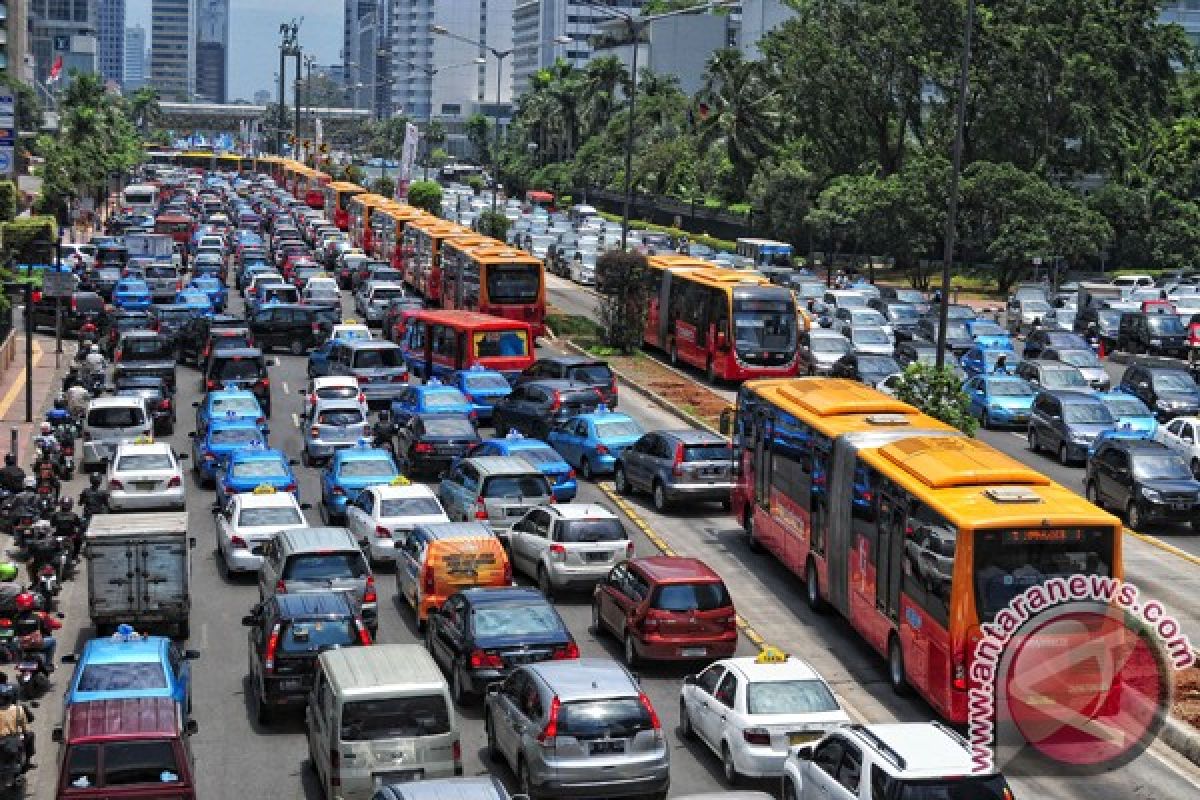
346, 186
834, 406
468, 319
492, 251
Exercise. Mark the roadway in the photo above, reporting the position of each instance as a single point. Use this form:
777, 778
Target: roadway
237, 758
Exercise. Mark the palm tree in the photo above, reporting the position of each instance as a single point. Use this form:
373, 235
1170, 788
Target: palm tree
144, 109
742, 113
602, 79
84, 89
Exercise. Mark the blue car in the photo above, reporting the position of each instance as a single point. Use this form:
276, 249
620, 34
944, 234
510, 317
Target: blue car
211, 286
247, 469
196, 300
989, 334
980, 360
129, 665
999, 399
318, 359
132, 294
591, 442
349, 472
483, 388
538, 453
224, 437
1131, 414
230, 404
433, 397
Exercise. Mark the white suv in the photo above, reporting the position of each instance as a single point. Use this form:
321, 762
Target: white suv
568, 546
897, 761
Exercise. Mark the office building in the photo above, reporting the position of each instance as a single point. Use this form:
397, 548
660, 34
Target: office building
173, 49
135, 58
680, 46
758, 18
110, 33
212, 50
65, 28
15, 58
364, 28
537, 24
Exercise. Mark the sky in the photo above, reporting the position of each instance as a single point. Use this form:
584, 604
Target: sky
254, 37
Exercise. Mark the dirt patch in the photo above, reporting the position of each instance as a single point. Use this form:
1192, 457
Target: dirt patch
1187, 696
680, 392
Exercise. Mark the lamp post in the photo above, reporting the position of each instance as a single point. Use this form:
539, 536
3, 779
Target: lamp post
288, 46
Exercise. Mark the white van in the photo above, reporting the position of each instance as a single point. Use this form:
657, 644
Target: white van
111, 421
379, 715
140, 198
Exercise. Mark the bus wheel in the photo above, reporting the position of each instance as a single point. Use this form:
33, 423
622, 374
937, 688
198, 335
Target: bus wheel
897, 674
710, 372
812, 588
748, 525
674, 354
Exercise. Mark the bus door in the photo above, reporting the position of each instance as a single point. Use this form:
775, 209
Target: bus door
764, 430
889, 555
835, 517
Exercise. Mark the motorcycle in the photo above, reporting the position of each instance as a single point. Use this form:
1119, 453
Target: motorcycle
46, 586
13, 764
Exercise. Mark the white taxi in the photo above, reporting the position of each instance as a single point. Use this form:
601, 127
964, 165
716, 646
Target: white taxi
246, 521
382, 515
145, 475
332, 387
350, 330
751, 710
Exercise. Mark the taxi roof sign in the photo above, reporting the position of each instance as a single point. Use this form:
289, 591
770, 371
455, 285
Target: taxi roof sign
400, 480
144, 440
264, 488
771, 655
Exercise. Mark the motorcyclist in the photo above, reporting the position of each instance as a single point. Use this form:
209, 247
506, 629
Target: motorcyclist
59, 414
12, 477
35, 629
94, 366
385, 430
16, 737
42, 548
67, 524
10, 587
25, 500
94, 499
46, 441
77, 396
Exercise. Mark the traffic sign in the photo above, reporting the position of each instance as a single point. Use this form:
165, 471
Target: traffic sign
7, 159
58, 284
8, 137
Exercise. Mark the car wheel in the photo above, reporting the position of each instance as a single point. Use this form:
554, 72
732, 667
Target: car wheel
262, 714
1093, 494
296, 347
629, 652
1033, 441
524, 785
458, 691
812, 588
897, 673
493, 752
727, 766
748, 526
1196, 468
621, 482
1064, 455
544, 584
585, 468
686, 731
789, 790
596, 626
659, 496
1133, 515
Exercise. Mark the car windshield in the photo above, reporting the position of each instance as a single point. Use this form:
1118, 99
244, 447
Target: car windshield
830, 344
1165, 324
117, 417
617, 428
611, 718
385, 293
706, 596
378, 358
866, 317
231, 341
1079, 358
134, 286
486, 382
1173, 381
449, 426
337, 392
707, 452
144, 347
606, 529
235, 369
987, 328
1125, 406
239, 404
1165, 467
515, 620
1109, 318
262, 517
764, 324
971, 787
259, 468
878, 364
1070, 378
591, 373
126, 763
366, 467
126, 677
313, 636
325, 566
446, 398
869, 336
143, 461
490, 344
395, 717
410, 507
909, 296
516, 486
1009, 388
1087, 413
789, 697
1038, 306
516, 284
904, 313
340, 416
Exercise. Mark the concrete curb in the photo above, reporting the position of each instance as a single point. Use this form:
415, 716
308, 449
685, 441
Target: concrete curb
648, 394
1182, 738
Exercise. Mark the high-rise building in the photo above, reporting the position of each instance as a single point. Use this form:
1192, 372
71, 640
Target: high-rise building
539, 25
263, 97
678, 46
363, 37
135, 58
173, 49
110, 31
14, 50
65, 28
758, 18
212, 50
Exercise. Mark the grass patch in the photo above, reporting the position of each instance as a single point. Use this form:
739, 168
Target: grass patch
573, 325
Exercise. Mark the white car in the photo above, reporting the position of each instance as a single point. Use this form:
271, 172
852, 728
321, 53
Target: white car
260, 279
247, 521
349, 330
382, 515
1182, 435
750, 711
145, 475
332, 387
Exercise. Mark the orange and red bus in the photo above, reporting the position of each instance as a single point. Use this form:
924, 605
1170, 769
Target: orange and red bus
731, 324
536, 198
360, 208
390, 232
493, 278
422, 249
913, 532
438, 342
179, 227
337, 195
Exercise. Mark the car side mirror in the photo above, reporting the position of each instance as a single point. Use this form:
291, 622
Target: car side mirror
249, 620
191, 434
305, 506
192, 727
804, 753
182, 456
196, 404
70, 658
191, 655
56, 735
292, 462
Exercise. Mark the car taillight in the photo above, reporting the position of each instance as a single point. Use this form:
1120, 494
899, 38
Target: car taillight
456, 754
115, 484
422, 447
68, 450
429, 582
164, 405
174, 482
654, 720
117, 356
601, 450
369, 595
760, 737
280, 587
729, 623
546, 737
272, 647
677, 467
364, 635
238, 543
480, 509
263, 382
338, 491
209, 457
481, 659
37, 296
291, 487
612, 387
470, 397
556, 403
382, 532
401, 378
959, 679
629, 549
210, 385
362, 379
558, 553
570, 475
568, 651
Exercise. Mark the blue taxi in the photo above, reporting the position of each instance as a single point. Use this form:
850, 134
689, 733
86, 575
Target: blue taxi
230, 404
1134, 419
218, 295
483, 387
349, 472
130, 665
132, 294
246, 470
980, 360
592, 442
195, 300
989, 334
536, 452
999, 399
212, 447
433, 397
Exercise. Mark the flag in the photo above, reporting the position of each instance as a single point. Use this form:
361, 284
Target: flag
408, 155
55, 70
320, 132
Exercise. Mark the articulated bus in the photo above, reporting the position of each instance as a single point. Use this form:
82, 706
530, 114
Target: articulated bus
436, 343
390, 231
913, 532
493, 278
337, 196
311, 188
691, 305
422, 248
378, 222
360, 208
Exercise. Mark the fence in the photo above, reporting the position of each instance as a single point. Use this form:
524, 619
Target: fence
660, 210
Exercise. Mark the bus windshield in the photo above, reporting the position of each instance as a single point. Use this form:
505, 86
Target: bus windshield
515, 284
1007, 562
764, 325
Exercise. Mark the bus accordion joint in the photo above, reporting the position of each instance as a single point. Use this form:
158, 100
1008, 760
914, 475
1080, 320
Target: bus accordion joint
1011, 494
888, 419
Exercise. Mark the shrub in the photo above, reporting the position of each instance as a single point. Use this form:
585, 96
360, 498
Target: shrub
426, 195
623, 310
938, 393
494, 224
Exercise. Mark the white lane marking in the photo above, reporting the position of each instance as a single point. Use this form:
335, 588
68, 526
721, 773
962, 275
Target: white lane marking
286, 390
296, 421
1018, 435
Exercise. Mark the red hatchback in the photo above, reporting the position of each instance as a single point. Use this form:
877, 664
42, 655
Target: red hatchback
666, 608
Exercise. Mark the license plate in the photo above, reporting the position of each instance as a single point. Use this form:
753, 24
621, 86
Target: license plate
597, 558
291, 685
1181, 506
693, 652
145, 486
27, 666
606, 747
803, 738
399, 776
514, 512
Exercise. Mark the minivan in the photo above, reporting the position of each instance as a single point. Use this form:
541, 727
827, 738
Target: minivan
378, 367
316, 559
244, 367
379, 715
435, 560
498, 490
109, 422
1067, 423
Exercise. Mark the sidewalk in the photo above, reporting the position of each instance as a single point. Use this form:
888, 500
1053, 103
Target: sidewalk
46, 383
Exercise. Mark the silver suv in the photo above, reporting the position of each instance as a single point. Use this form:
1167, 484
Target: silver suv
577, 729
493, 489
686, 464
568, 546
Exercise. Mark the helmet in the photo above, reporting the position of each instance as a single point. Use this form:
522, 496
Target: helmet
42, 526
30, 482
8, 571
25, 601
94, 478
46, 427
66, 503
95, 350
10, 459
60, 403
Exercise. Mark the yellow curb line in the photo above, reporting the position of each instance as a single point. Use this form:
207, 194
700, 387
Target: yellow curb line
1161, 545
10, 396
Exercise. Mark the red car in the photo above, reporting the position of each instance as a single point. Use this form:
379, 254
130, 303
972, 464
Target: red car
666, 608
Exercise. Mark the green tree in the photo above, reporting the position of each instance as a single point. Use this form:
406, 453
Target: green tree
145, 111
938, 393
479, 136
8, 201
29, 108
384, 185
355, 174
476, 183
784, 193
435, 135
387, 137
426, 195
623, 310
494, 224
743, 114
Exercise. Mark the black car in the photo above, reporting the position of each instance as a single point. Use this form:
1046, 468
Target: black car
481, 635
1152, 333
427, 444
1164, 385
1147, 480
534, 408
287, 633
77, 309
917, 351
1044, 339
244, 367
170, 319
145, 353
117, 323
158, 396
958, 338
869, 368
589, 371
1104, 322
296, 327
102, 279
194, 336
